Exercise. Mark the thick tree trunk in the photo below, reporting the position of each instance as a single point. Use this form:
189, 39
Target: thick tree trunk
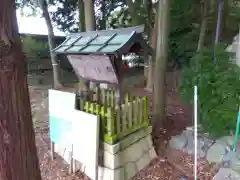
81, 9
159, 86
18, 153
55, 64
89, 15
203, 26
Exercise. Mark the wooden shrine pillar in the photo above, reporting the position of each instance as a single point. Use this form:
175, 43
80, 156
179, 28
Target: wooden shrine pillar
117, 63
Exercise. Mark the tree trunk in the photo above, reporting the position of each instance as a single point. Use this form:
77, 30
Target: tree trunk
81, 9
132, 11
150, 71
225, 20
218, 26
219, 20
89, 15
149, 10
18, 153
90, 26
238, 49
102, 23
55, 64
159, 87
203, 26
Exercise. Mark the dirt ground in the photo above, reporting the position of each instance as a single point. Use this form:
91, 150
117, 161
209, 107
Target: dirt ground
170, 165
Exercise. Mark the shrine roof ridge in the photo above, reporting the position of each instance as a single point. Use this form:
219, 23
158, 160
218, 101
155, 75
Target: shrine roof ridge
116, 41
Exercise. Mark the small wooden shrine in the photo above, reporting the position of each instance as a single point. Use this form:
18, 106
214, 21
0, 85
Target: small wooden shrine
125, 140
96, 56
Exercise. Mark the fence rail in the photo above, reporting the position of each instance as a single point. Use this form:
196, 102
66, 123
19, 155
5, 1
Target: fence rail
106, 97
118, 121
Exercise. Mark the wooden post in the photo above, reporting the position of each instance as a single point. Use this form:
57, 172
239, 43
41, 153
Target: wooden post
70, 170
52, 150
117, 61
86, 88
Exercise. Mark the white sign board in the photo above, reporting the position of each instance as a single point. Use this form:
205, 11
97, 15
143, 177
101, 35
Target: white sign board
61, 105
74, 130
85, 132
59, 100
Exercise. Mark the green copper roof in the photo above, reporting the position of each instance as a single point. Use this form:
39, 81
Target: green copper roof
103, 42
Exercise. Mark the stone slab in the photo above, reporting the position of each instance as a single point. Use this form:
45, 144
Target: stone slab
127, 141
178, 142
143, 161
226, 140
132, 138
130, 154
130, 170
112, 149
216, 153
226, 173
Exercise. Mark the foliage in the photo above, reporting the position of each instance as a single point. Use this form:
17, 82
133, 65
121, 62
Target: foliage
34, 50
65, 17
183, 34
218, 90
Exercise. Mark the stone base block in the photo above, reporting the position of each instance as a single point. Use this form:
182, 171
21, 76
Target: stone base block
123, 160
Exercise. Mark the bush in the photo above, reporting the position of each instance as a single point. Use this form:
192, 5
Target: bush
218, 90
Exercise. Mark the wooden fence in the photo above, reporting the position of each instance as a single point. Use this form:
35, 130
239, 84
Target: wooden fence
119, 121
106, 97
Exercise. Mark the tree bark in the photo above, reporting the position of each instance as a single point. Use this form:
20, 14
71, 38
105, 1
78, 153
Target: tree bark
18, 153
159, 86
81, 9
89, 15
55, 64
203, 26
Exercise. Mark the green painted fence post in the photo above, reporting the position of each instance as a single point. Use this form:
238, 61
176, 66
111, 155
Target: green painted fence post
145, 110
237, 132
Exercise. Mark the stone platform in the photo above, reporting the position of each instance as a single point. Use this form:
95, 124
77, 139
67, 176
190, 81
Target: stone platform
120, 161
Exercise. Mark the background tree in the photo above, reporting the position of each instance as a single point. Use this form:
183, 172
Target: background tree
90, 21
205, 4
81, 12
161, 60
18, 153
35, 51
43, 7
